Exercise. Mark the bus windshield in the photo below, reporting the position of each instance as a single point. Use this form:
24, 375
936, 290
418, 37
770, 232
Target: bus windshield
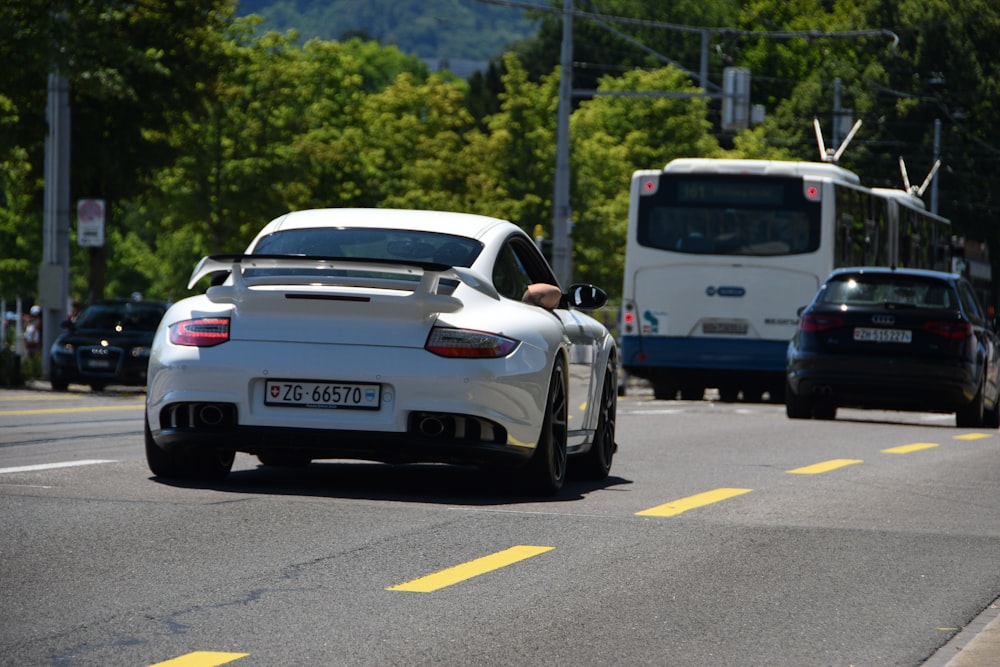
729, 215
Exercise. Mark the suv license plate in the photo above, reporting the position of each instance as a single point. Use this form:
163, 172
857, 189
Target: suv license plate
883, 335
306, 394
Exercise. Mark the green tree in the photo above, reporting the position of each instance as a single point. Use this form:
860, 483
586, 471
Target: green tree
612, 137
283, 128
128, 66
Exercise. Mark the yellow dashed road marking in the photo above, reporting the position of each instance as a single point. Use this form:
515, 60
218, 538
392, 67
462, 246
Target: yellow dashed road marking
906, 449
825, 466
472, 568
201, 659
682, 505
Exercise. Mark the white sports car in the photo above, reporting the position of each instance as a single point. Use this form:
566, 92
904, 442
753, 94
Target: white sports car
384, 335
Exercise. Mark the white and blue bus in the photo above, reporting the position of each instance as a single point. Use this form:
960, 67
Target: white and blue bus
721, 254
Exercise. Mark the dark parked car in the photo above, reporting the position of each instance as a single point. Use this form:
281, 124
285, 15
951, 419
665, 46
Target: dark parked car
896, 339
107, 344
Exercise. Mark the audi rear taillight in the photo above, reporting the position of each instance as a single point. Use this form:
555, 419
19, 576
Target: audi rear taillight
200, 332
950, 329
468, 344
811, 322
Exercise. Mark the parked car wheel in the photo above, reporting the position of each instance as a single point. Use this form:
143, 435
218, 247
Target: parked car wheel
58, 379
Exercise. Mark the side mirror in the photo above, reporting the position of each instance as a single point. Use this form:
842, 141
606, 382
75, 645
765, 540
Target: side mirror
586, 297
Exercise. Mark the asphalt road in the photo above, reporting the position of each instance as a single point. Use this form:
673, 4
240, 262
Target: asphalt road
726, 535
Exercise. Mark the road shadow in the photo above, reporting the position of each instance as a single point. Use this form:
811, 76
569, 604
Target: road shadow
435, 484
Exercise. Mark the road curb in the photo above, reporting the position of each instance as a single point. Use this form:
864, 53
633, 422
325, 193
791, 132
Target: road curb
977, 645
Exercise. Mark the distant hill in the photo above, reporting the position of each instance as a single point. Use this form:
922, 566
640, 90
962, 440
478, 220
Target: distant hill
435, 30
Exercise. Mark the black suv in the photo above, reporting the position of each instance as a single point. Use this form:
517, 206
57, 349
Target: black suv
107, 344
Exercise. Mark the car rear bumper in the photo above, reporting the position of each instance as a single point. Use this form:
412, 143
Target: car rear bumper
932, 386
125, 371
361, 445
430, 409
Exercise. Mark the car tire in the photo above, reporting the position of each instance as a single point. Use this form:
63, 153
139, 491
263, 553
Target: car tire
596, 463
991, 416
97, 386
187, 464
546, 471
972, 415
797, 406
57, 378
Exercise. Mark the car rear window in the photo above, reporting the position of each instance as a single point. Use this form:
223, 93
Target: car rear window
861, 290
376, 244
137, 316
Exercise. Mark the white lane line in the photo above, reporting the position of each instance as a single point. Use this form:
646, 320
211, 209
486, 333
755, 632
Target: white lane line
51, 466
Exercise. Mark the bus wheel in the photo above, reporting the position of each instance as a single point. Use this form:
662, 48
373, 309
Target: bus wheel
664, 391
729, 394
692, 392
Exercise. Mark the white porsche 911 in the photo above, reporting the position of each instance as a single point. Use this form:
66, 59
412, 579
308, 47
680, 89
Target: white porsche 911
386, 335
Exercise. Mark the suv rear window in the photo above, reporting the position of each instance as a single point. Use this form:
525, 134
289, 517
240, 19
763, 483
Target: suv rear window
867, 290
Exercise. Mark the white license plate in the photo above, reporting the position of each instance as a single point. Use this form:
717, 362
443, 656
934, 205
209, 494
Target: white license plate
99, 363
883, 335
306, 394
722, 327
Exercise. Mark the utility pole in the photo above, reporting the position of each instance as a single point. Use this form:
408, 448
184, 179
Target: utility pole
53, 273
562, 216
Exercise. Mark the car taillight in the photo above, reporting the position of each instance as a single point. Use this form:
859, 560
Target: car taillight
811, 323
201, 332
468, 344
951, 329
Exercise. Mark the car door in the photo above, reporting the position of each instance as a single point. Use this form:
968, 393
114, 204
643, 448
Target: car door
520, 264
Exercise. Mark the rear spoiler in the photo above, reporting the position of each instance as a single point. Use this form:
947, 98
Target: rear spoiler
431, 273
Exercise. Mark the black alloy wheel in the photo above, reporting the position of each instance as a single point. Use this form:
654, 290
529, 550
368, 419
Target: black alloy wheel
596, 463
546, 471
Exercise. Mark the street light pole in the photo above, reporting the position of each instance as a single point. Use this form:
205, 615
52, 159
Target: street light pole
53, 273
562, 222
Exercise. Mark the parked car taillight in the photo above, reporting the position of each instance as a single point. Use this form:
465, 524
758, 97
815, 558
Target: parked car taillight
201, 332
467, 343
811, 323
952, 329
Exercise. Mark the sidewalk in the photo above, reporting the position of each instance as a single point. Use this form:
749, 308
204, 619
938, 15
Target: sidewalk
977, 645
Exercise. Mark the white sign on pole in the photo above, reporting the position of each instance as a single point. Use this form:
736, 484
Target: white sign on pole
90, 222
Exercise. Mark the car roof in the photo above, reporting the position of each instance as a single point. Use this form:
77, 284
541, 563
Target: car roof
462, 224
836, 274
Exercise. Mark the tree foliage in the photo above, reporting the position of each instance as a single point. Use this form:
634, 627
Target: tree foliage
197, 127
